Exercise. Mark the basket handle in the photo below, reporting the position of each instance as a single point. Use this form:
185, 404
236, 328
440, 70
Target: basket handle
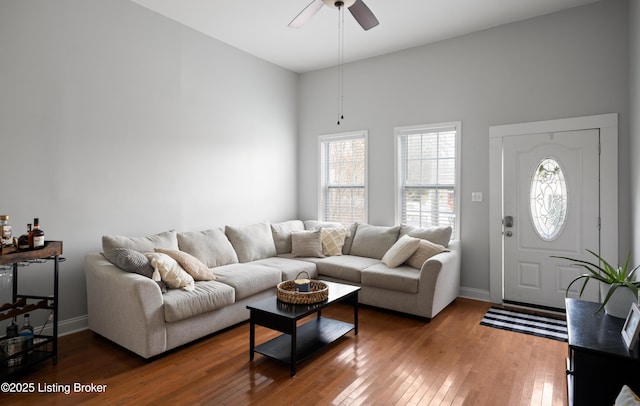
300, 273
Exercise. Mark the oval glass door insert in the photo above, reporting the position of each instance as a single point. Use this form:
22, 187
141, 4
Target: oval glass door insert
548, 199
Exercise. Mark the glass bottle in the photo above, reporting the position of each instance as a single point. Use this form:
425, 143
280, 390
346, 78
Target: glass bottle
5, 231
27, 331
23, 240
12, 329
38, 234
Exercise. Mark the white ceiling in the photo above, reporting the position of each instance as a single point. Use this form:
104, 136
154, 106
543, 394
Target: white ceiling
259, 27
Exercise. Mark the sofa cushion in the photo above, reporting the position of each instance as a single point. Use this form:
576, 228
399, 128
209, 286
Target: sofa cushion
316, 224
251, 242
191, 264
345, 267
172, 274
426, 249
348, 242
282, 234
289, 267
249, 278
212, 247
165, 239
399, 252
307, 243
206, 296
438, 235
333, 240
401, 279
373, 241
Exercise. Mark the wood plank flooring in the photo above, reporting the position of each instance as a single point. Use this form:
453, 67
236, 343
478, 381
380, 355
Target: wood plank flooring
394, 360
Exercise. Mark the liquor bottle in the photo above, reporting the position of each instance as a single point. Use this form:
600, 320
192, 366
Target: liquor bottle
5, 231
38, 235
27, 331
23, 240
12, 329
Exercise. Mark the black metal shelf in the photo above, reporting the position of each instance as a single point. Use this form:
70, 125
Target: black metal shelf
44, 346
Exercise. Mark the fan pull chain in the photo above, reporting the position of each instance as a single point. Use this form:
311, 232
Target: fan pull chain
340, 62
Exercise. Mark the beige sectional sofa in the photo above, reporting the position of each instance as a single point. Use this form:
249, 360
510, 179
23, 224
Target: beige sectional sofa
213, 274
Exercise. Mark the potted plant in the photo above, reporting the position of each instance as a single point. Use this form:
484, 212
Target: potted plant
614, 277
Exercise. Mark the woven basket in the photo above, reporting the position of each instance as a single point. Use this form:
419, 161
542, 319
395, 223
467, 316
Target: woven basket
319, 291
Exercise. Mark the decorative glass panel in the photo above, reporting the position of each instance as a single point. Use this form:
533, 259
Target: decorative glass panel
548, 199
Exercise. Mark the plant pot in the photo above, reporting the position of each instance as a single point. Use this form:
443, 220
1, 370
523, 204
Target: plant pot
619, 303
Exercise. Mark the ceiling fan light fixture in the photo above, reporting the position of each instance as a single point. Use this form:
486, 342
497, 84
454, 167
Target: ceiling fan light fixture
339, 3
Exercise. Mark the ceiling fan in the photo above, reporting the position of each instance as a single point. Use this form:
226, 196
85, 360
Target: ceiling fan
358, 9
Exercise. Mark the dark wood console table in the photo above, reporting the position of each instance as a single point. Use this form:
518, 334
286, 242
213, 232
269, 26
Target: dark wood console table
599, 362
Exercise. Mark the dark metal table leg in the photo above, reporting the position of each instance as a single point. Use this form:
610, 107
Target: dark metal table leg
294, 340
252, 337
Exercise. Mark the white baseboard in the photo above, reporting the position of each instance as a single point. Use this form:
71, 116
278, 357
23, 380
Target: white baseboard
476, 294
67, 326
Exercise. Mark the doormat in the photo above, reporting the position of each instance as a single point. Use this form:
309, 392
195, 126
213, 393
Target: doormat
525, 323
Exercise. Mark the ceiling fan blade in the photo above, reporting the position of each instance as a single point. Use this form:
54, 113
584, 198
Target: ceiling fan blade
363, 15
306, 14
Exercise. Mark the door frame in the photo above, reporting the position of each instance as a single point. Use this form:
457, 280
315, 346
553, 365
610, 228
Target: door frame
608, 126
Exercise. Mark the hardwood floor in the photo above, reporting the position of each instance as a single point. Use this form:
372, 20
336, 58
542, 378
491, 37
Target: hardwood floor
393, 360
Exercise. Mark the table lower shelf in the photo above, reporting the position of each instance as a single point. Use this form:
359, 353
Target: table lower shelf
40, 352
311, 337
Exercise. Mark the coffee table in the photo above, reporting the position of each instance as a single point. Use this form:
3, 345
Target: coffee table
299, 342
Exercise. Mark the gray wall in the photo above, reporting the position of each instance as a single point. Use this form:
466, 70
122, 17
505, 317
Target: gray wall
567, 64
115, 120
634, 86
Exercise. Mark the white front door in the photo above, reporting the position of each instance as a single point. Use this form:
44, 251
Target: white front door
551, 207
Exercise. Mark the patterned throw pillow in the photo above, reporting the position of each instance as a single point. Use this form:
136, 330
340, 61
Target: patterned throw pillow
133, 261
191, 264
306, 244
426, 249
333, 239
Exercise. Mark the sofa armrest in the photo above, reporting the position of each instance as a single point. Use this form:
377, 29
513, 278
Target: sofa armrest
124, 307
440, 279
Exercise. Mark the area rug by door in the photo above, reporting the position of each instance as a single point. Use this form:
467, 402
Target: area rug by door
540, 326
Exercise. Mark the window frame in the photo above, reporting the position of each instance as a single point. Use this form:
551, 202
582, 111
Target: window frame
400, 132
323, 173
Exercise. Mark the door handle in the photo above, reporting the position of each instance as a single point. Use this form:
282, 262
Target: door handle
508, 221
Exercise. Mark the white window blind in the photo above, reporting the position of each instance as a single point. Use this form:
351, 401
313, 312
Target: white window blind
343, 183
427, 173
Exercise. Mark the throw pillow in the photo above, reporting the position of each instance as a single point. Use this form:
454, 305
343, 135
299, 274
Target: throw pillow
136, 262
132, 261
306, 243
399, 252
426, 249
626, 397
170, 271
333, 240
252, 242
191, 264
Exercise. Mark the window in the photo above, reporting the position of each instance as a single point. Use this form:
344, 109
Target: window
548, 199
343, 177
427, 172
